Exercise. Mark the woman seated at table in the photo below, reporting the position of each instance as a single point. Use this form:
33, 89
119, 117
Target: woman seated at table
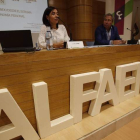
50, 22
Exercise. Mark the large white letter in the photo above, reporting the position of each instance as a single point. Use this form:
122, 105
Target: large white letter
20, 125
122, 80
45, 126
106, 83
77, 96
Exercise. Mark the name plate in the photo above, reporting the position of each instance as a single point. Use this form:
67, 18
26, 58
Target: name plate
75, 45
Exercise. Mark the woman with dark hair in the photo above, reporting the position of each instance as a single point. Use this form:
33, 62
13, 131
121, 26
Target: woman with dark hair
50, 22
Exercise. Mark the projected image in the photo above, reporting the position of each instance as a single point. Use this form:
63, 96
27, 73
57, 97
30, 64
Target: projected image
22, 14
2, 1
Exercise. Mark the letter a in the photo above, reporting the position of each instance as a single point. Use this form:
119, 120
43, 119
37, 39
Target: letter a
106, 83
20, 126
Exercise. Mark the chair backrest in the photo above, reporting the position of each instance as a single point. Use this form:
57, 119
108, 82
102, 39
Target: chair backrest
90, 43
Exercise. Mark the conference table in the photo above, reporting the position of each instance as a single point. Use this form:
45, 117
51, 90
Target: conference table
18, 71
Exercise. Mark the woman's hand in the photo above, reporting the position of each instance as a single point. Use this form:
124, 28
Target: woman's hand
58, 45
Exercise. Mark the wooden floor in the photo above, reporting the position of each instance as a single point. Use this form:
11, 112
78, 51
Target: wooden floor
109, 116
131, 131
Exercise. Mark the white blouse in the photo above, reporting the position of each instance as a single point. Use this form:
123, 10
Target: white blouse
58, 35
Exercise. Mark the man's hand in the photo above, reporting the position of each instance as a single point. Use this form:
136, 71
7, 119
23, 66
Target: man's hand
123, 41
118, 42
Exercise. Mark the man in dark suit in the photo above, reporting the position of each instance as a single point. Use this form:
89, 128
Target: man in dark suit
107, 34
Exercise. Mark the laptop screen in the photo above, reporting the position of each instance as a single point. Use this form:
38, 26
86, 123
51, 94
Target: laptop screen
16, 38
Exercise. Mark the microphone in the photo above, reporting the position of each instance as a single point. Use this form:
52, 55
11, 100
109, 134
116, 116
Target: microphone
69, 29
129, 29
132, 41
131, 33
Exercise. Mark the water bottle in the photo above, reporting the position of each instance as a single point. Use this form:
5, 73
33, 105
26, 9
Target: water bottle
49, 43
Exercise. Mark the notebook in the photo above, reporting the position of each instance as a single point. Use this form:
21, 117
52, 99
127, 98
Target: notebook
16, 41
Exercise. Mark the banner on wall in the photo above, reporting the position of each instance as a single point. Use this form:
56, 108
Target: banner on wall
122, 11
119, 15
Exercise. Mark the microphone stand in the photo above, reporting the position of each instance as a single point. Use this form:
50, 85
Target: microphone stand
132, 41
132, 37
69, 29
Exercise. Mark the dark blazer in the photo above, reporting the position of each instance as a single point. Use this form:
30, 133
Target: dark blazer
101, 36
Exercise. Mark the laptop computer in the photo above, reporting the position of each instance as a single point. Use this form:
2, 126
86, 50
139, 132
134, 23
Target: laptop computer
16, 41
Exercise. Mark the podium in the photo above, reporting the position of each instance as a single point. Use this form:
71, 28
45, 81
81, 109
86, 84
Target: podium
19, 70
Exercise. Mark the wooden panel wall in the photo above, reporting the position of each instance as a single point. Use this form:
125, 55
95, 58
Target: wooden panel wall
98, 14
83, 18
80, 19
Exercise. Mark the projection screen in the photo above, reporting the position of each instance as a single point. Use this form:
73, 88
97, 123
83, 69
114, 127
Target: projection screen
22, 14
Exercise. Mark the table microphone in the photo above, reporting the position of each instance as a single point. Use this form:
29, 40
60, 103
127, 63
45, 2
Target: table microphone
132, 41
129, 29
131, 33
